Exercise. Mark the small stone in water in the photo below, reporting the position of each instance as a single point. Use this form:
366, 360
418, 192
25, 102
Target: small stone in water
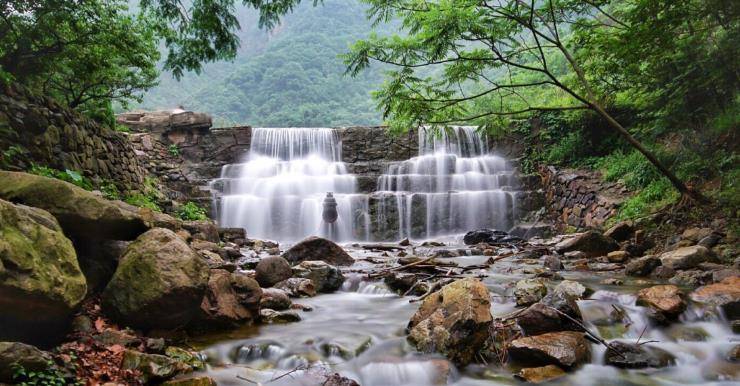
540, 374
612, 281
633, 356
529, 291
271, 316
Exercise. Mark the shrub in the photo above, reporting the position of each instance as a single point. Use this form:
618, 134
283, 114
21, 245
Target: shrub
173, 150
110, 190
70, 176
192, 212
51, 376
143, 201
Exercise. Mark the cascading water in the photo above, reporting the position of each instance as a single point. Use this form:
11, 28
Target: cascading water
277, 193
453, 186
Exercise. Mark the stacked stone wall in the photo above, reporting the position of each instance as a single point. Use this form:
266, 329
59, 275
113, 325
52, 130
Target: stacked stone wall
51, 135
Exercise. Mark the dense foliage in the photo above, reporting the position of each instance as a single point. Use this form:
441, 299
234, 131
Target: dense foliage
291, 77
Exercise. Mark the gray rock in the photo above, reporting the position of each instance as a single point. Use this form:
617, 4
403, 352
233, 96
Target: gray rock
297, 287
552, 262
556, 312
272, 316
591, 243
316, 248
529, 291
574, 289
642, 266
275, 299
686, 257
31, 358
326, 278
632, 356
272, 270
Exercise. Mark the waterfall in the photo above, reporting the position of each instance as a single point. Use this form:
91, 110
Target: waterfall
452, 186
277, 193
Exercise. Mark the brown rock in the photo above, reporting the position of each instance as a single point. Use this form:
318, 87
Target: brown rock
297, 287
453, 321
316, 248
686, 257
272, 270
667, 301
566, 349
642, 266
275, 299
617, 256
555, 312
591, 243
725, 295
540, 374
621, 231
229, 301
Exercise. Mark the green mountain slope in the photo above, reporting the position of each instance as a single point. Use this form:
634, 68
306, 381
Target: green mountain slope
288, 77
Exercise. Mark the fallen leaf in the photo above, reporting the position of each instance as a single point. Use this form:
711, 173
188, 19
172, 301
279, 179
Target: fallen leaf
99, 324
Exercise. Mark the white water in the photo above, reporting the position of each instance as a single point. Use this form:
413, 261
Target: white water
453, 186
277, 193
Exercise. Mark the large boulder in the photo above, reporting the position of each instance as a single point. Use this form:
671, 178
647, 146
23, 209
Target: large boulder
41, 283
79, 212
453, 321
326, 278
15, 353
159, 283
566, 349
686, 257
725, 295
272, 270
666, 302
316, 248
231, 299
591, 243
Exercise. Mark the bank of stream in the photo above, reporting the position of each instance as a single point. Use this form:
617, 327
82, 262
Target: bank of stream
359, 331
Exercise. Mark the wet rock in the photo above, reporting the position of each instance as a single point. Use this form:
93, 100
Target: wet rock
725, 295
725, 273
272, 270
612, 281
575, 255
237, 236
230, 300
326, 278
316, 248
153, 367
338, 380
275, 299
633, 356
686, 257
271, 316
591, 243
202, 230
734, 354
191, 381
549, 315
400, 282
567, 349
662, 272
665, 301
618, 256
573, 289
691, 278
621, 231
636, 250
710, 241
404, 243
155, 345
31, 358
159, 283
41, 282
483, 236
529, 291
297, 287
553, 263
453, 321
642, 266
540, 374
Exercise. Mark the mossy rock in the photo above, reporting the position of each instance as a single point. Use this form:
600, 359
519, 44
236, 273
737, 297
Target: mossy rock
159, 283
81, 214
40, 280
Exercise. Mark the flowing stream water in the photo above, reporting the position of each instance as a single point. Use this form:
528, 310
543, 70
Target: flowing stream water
359, 332
454, 185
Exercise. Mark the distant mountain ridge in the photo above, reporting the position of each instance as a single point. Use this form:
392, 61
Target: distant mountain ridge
290, 76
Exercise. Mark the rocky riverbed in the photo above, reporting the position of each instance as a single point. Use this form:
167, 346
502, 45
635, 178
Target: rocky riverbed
130, 296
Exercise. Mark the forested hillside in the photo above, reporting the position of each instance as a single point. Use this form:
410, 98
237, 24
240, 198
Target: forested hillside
290, 76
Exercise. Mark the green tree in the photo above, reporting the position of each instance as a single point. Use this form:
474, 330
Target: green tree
84, 53
510, 53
